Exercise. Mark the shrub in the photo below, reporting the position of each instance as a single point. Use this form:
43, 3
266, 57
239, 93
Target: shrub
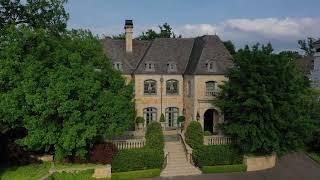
216, 155
162, 119
102, 153
139, 119
194, 135
207, 133
224, 168
154, 136
137, 159
181, 119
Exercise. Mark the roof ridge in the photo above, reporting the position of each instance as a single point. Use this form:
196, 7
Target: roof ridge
144, 54
190, 61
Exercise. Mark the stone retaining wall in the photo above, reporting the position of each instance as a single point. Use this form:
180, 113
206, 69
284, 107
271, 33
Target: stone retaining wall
256, 163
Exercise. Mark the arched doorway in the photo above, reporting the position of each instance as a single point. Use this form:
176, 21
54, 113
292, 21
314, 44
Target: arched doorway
210, 119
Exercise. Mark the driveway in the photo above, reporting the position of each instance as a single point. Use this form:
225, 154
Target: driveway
295, 166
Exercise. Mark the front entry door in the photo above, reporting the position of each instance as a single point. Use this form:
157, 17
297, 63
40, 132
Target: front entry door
172, 116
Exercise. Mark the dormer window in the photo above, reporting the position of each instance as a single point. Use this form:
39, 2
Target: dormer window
117, 66
211, 66
172, 67
149, 66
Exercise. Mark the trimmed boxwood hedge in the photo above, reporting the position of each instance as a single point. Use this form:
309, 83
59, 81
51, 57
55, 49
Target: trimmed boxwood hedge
216, 155
154, 136
137, 159
194, 135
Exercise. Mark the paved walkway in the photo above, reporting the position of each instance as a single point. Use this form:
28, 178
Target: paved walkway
295, 166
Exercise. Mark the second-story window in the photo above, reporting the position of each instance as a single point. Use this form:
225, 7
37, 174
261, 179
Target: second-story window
210, 88
150, 87
117, 66
172, 86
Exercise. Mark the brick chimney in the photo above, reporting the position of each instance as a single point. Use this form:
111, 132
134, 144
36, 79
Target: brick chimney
128, 32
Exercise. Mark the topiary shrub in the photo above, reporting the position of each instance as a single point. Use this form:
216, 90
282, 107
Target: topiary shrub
208, 133
162, 119
216, 155
137, 159
139, 119
102, 153
154, 136
194, 135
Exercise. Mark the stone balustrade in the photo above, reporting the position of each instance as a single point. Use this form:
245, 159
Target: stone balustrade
129, 143
217, 140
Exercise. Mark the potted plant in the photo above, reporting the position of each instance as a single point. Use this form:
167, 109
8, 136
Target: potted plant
162, 121
181, 120
140, 121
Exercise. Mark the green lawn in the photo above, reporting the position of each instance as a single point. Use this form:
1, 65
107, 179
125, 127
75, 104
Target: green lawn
87, 175
224, 168
315, 156
27, 172
59, 166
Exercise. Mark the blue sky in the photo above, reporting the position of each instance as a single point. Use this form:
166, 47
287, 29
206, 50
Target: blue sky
282, 22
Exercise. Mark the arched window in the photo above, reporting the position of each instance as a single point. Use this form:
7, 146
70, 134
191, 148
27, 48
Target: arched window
210, 88
150, 87
150, 114
172, 86
172, 114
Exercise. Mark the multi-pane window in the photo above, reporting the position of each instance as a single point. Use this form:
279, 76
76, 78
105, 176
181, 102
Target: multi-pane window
117, 66
172, 86
150, 87
172, 114
211, 66
172, 67
150, 114
149, 66
210, 88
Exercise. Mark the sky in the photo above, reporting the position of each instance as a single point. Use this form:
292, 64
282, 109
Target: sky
281, 22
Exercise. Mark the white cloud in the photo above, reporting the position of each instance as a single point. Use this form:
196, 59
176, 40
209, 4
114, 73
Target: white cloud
192, 30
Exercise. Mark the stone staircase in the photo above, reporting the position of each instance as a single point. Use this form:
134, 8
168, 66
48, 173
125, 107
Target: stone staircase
177, 164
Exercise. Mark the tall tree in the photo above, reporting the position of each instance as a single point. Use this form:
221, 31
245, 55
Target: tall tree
307, 45
165, 32
48, 14
265, 102
230, 46
121, 36
291, 54
62, 90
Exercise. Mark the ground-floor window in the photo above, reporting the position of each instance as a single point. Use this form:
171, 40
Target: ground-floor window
150, 114
172, 114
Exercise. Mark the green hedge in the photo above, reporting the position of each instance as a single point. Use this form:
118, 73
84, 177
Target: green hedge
137, 159
216, 155
224, 168
154, 136
194, 135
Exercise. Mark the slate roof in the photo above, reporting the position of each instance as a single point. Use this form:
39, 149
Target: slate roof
190, 55
115, 50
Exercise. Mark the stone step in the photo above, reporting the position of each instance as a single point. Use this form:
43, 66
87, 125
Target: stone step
172, 174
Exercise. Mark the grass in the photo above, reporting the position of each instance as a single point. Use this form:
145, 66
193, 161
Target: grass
136, 174
224, 168
87, 175
27, 172
58, 166
315, 156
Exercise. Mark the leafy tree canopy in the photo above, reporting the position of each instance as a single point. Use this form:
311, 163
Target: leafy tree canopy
62, 90
265, 102
230, 46
48, 14
291, 54
165, 32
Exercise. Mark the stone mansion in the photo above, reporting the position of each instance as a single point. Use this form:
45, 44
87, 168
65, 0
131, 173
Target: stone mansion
172, 76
